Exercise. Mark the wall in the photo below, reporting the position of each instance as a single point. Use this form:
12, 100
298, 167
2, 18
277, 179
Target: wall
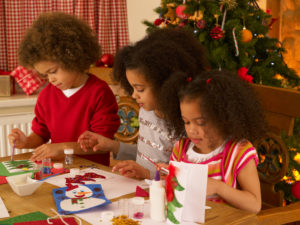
139, 10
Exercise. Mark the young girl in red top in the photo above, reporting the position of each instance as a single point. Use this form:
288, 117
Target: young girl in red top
219, 117
61, 47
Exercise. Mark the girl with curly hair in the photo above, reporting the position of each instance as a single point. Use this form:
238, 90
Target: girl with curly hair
61, 47
220, 115
142, 69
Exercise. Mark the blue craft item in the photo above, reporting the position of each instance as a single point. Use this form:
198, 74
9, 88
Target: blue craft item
78, 198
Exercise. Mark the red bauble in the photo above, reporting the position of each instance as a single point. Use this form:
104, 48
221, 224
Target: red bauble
180, 12
296, 190
201, 24
158, 21
106, 60
216, 33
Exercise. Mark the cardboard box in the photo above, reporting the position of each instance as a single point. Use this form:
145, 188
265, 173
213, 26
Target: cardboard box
6, 85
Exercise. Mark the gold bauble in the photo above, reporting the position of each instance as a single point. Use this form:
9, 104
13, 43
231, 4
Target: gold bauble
246, 35
278, 44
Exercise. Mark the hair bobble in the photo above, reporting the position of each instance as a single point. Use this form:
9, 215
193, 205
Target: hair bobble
189, 79
208, 80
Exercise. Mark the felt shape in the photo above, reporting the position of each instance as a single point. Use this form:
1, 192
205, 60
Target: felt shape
69, 221
3, 180
140, 192
79, 179
9, 168
24, 218
78, 198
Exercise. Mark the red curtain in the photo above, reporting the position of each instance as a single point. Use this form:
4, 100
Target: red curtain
108, 18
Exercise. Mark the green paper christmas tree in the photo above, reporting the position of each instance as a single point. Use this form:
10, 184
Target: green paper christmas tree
174, 204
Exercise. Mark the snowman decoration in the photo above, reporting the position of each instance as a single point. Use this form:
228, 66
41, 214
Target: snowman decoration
80, 198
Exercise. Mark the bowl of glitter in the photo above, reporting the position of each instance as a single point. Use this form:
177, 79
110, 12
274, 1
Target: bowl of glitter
23, 184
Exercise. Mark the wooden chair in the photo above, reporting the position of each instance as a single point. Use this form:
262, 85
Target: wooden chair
281, 107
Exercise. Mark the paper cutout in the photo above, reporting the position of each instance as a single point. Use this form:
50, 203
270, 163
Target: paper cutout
9, 168
186, 202
140, 192
24, 218
79, 179
3, 209
69, 221
77, 198
3, 180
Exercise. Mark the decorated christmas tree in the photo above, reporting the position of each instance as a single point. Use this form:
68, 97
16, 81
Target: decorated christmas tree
235, 35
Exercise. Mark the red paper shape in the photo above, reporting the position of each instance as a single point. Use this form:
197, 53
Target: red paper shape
28, 80
70, 221
3, 180
140, 192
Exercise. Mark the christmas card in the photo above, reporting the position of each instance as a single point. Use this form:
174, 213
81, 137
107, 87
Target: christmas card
186, 192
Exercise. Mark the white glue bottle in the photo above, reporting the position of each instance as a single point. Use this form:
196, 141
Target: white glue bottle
157, 199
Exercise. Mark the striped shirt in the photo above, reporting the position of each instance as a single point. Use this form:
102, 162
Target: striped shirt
224, 163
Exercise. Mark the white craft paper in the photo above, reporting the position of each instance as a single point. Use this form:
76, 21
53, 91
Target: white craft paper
193, 178
3, 210
113, 185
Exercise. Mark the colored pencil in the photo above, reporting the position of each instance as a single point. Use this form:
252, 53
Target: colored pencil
13, 151
163, 170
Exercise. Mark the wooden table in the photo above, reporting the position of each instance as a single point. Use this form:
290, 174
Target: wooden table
42, 200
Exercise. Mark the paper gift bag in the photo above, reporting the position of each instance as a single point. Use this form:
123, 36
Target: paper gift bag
28, 80
189, 193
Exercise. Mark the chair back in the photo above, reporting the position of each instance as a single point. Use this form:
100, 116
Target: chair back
281, 107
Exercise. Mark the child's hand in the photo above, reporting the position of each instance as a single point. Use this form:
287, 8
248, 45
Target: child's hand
17, 136
47, 151
129, 168
87, 140
212, 186
90, 140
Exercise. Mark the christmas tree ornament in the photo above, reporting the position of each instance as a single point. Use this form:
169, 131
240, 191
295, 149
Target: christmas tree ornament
170, 15
235, 43
182, 23
272, 63
246, 35
243, 74
106, 60
198, 15
229, 4
201, 24
216, 33
296, 190
260, 36
256, 60
158, 21
180, 12
278, 45
196, 31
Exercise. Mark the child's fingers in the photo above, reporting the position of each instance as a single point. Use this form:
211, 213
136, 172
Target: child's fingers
120, 165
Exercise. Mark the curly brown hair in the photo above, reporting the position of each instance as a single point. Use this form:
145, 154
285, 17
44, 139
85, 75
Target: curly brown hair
60, 38
158, 55
226, 101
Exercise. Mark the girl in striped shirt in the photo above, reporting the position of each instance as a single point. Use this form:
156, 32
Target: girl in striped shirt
220, 116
